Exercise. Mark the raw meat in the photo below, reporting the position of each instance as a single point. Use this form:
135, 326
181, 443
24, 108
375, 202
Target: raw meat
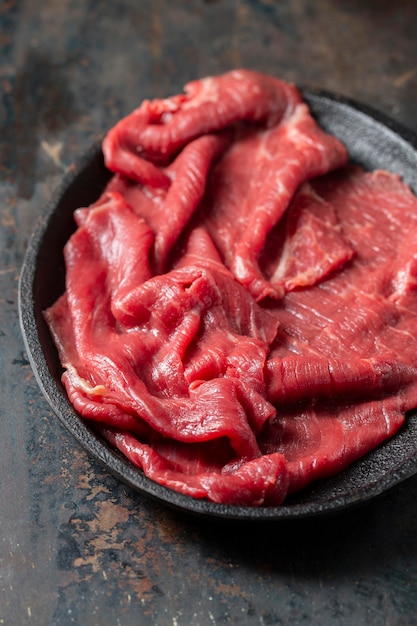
252, 186
237, 318
278, 148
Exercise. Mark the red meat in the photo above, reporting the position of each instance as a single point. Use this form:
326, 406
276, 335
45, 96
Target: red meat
233, 329
307, 246
252, 186
157, 130
278, 148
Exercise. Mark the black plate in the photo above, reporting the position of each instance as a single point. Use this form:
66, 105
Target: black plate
372, 140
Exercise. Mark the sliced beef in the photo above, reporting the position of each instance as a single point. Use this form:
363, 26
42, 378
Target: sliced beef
294, 379
270, 167
319, 441
171, 353
158, 129
278, 148
168, 209
258, 482
307, 246
358, 310
240, 314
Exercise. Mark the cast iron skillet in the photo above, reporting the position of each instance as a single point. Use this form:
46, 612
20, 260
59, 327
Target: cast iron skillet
372, 140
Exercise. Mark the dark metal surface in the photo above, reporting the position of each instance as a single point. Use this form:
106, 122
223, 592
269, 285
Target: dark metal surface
77, 546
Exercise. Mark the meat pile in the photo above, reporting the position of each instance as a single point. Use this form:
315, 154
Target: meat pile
240, 313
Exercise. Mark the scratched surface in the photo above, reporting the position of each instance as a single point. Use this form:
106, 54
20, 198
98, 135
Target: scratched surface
76, 546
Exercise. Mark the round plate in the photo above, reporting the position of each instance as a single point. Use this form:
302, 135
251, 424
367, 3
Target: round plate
373, 141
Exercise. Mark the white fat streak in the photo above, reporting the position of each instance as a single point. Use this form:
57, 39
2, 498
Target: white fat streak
82, 384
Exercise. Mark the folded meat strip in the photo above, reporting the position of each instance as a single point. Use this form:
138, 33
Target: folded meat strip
306, 246
136, 340
271, 164
168, 210
295, 379
280, 147
158, 129
319, 441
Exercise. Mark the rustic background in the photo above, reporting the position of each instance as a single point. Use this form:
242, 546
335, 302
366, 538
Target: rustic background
76, 546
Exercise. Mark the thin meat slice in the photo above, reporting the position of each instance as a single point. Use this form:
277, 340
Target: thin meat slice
253, 185
281, 147
377, 210
168, 208
139, 357
295, 379
307, 246
217, 409
259, 482
158, 129
189, 174
365, 310
117, 243
345, 355
321, 440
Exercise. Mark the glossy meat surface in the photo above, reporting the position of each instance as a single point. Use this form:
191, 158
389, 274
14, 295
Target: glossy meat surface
240, 308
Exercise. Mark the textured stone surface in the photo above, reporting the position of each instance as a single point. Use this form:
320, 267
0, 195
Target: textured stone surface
76, 546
